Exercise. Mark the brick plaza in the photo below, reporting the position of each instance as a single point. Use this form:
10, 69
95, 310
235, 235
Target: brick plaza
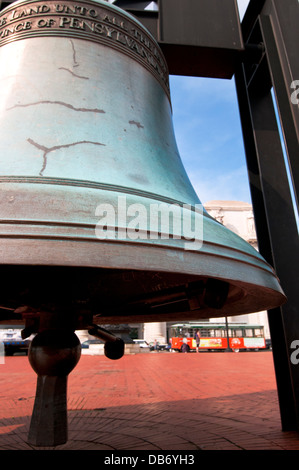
156, 401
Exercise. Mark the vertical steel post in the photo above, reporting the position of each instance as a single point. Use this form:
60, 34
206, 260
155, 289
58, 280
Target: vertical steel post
280, 35
276, 226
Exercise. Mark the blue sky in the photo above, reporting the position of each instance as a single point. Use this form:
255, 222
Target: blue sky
208, 134
209, 137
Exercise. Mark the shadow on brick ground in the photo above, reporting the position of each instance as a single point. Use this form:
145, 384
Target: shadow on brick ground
233, 422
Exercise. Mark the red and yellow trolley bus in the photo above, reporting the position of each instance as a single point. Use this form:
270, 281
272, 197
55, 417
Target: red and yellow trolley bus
217, 336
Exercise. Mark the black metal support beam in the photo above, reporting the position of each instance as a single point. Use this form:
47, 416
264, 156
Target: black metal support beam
198, 38
282, 76
276, 226
274, 218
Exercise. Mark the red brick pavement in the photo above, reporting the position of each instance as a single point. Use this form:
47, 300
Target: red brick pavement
156, 401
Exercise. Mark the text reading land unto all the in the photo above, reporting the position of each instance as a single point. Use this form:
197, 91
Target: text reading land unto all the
81, 20
74, 13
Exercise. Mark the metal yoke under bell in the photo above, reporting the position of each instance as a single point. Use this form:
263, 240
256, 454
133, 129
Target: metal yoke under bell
86, 127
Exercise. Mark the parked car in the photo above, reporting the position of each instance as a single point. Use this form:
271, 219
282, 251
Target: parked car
159, 347
13, 342
89, 342
141, 342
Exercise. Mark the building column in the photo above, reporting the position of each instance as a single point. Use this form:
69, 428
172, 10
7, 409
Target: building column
154, 331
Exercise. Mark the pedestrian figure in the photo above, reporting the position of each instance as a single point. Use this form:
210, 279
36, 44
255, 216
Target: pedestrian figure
185, 346
197, 339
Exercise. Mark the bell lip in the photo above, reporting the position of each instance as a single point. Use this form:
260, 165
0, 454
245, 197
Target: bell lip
61, 239
46, 231
260, 286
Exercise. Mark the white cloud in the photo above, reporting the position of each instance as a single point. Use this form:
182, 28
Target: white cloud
221, 186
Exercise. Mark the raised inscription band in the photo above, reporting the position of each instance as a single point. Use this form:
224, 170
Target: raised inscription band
92, 21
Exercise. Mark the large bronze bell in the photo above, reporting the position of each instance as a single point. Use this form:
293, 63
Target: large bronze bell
99, 223
87, 151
